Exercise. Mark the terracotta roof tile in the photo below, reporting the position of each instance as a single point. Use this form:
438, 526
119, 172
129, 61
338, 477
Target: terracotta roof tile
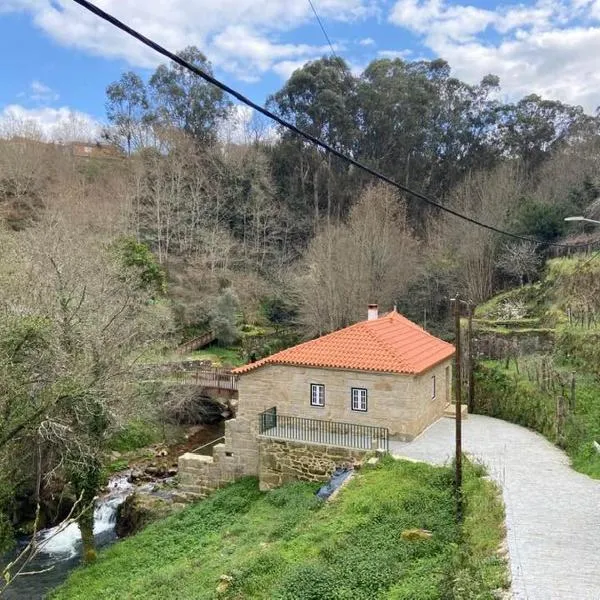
390, 344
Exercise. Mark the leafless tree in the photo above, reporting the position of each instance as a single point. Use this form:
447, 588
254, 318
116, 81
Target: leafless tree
520, 260
488, 196
371, 258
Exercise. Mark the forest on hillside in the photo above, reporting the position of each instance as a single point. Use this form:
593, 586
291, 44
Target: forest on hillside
281, 221
192, 227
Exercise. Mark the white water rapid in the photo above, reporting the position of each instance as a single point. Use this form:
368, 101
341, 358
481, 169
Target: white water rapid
62, 542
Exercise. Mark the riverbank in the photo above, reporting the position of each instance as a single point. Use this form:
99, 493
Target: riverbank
390, 533
145, 473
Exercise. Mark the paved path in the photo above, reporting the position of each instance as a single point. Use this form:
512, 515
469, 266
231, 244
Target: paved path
552, 512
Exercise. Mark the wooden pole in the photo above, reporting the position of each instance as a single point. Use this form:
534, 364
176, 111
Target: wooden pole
458, 414
471, 377
573, 390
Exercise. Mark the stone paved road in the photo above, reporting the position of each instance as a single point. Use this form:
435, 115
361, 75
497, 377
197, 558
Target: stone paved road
552, 512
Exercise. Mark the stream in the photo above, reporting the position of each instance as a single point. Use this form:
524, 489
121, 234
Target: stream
60, 549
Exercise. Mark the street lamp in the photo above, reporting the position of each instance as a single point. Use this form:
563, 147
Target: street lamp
582, 219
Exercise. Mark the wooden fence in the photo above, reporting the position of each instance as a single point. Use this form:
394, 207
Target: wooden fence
210, 377
197, 342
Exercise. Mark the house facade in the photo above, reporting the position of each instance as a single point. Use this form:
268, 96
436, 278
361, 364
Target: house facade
381, 378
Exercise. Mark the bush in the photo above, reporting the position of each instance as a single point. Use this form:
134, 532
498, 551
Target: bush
223, 320
502, 394
134, 435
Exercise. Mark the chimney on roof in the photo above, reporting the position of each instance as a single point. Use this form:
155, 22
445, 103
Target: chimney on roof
372, 312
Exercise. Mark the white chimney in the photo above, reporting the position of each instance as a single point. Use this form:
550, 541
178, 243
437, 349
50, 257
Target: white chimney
372, 312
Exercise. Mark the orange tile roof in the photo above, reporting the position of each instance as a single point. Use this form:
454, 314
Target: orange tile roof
390, 344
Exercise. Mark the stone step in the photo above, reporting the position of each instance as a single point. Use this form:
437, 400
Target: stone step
450, 411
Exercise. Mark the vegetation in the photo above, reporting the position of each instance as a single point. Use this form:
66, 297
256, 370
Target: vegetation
504, 393
286, 544
103, 261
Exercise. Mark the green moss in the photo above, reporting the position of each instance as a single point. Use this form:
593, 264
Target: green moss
285, 544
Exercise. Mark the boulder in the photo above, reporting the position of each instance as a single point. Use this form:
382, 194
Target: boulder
139, 510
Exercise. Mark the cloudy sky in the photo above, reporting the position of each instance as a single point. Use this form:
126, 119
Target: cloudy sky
57, 58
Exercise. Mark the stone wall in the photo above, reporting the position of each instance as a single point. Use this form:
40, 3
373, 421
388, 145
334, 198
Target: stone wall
402, 403
282, 461
237, 456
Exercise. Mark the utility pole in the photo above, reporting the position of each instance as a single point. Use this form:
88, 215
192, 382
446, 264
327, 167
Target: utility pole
471, 397
458, 414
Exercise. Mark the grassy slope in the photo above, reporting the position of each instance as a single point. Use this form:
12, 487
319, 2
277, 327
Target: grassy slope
286, 545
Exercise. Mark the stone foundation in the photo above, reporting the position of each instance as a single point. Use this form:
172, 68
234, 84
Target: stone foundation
282, 461
238, 456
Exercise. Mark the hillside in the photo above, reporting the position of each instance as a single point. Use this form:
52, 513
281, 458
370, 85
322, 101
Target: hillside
542, 346
286, 544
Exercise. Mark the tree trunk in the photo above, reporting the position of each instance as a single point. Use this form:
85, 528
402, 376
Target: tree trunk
86, 526
316, 198
328, 189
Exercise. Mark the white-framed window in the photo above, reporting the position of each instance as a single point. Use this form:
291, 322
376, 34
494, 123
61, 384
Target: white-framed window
433, 387
317, 394
359, 399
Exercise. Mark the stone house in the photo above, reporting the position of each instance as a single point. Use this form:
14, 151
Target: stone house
355, 388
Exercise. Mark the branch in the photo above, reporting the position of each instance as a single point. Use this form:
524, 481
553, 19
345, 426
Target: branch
33, 548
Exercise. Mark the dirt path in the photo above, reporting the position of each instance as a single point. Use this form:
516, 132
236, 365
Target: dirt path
552, 512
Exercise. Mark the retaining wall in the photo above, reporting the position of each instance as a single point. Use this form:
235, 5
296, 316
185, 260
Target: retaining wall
282, 461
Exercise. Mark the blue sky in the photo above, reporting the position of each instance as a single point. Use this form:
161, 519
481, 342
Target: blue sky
66, 57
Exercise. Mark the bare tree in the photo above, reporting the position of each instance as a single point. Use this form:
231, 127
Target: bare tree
488, 196
520, 260
70, 295
372, 258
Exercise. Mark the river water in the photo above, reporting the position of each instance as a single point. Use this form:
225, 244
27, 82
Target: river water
61, 547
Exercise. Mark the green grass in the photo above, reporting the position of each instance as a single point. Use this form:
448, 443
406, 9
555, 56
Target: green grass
218, 355
286, 545
134, 435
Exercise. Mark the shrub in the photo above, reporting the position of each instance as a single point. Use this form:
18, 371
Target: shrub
134, 435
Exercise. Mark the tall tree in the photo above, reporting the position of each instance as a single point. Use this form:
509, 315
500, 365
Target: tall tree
184, 101
320, 99
421, 126
532, 128
128, 111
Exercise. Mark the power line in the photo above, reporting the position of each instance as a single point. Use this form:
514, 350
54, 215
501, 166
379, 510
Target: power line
323, 28
311, 138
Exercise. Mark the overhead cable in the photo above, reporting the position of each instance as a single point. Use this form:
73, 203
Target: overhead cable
322, 28
290, 126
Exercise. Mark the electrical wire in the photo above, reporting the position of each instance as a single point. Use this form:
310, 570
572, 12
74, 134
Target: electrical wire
290, 126
323, 28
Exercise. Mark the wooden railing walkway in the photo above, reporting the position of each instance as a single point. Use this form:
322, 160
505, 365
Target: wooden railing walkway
197, 342
210, 377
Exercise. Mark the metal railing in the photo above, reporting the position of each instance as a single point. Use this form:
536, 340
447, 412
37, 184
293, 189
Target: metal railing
207, 448
332, 433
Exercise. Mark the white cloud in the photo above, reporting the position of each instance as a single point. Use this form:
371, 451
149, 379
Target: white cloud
256, 54
40, 92
249, 48
285, 68
58, 124
367, 42
542, 48
394, 53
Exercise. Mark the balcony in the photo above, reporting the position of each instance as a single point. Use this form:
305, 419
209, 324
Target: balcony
317, 431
